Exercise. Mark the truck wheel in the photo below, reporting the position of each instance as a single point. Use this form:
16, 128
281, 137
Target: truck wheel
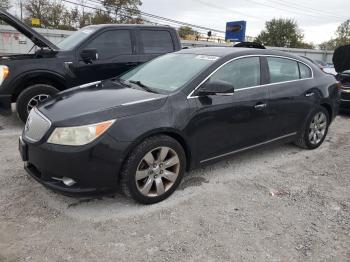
31, 97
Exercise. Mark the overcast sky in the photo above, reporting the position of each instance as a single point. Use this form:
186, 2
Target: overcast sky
318, 19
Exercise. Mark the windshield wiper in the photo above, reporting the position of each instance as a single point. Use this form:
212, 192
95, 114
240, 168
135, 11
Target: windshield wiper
143, 86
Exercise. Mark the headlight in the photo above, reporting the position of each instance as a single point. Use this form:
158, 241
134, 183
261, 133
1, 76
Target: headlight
78, 135
4, 72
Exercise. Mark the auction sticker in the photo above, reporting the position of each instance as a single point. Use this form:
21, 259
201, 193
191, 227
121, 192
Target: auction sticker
207, 57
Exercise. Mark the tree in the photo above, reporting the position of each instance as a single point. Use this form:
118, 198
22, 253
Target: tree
5, 4
328, 45
124, 11
53, 14
185, 32
101, 17
342, 37
38, 9
282, 33
343, 33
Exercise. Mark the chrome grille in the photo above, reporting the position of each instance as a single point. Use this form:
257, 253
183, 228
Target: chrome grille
36, 126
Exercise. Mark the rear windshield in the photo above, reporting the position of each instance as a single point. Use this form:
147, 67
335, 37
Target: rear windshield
76, 38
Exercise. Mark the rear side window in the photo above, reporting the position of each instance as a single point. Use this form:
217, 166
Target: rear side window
112, 43
282, 69
305, 71
156, 41
241, 73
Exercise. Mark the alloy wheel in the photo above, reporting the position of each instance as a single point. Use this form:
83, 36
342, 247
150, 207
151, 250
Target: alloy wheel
35, 101
317, 128
157, 171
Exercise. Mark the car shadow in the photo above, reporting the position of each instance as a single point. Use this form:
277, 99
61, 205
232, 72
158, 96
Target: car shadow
116, 205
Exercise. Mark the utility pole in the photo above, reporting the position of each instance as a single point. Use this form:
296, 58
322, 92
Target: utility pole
21, 7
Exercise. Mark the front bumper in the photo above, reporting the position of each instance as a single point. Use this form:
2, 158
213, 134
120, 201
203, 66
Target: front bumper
94, 168
345, 100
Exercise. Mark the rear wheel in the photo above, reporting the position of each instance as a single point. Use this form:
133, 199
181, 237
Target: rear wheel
32, 97
315, 129
153, 170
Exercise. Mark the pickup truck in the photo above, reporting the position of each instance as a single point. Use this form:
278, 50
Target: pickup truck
93, 53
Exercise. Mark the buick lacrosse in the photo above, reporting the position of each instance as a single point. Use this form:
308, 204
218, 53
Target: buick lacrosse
142, 130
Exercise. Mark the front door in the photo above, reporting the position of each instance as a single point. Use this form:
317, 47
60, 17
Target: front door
116, 55
224, 124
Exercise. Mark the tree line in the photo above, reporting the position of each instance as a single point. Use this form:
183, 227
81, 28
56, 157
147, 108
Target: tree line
56, 14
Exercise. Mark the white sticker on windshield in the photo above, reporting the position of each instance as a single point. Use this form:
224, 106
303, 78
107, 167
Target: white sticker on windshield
207, 57
87, 30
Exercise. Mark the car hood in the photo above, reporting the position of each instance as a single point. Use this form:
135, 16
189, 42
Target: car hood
341, 58
34, 36
99, 101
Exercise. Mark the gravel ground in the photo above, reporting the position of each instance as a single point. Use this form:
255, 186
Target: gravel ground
278, 203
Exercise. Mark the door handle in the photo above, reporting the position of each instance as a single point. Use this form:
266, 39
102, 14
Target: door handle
260, 106
310, 94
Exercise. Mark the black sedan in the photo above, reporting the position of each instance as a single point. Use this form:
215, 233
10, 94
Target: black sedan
143, 130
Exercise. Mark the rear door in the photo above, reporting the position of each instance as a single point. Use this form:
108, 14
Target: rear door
227, 123
153, 43
117, 54
292, 95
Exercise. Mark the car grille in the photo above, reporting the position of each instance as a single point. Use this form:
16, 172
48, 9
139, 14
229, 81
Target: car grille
37, 125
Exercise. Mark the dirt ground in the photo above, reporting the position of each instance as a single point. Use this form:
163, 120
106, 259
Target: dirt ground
279, 203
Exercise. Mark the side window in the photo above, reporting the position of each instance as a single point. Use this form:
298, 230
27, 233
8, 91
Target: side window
156, 41
282, 69
241, 73
305, 71
112, 43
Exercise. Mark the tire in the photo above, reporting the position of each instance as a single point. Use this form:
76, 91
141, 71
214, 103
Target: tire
306, 139
139, 175
30, 95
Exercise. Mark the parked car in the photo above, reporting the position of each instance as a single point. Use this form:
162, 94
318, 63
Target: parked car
341, 60
93, 53
325, 67
141, 131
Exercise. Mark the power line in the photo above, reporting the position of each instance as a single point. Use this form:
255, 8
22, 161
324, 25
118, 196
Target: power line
311, 14
163, 18
305, 9
310, 8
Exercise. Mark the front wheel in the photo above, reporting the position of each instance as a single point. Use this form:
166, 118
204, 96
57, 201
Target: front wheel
153, 170
32, 97
315, 129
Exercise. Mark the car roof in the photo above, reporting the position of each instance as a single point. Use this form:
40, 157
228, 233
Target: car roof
236, 51
100, 26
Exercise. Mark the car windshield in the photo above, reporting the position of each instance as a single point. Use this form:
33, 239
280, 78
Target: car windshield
76, 38
170, 72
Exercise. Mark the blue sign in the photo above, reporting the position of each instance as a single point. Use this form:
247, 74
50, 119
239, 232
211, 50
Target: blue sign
235, 31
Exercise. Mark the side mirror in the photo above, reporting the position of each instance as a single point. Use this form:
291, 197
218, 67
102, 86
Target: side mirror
89, 55
215, 88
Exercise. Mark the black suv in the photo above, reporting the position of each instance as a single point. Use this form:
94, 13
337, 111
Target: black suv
91, 54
